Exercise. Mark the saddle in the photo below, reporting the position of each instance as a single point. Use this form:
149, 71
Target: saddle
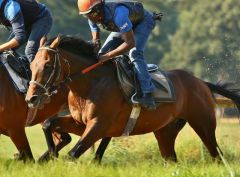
130, 87
18, 68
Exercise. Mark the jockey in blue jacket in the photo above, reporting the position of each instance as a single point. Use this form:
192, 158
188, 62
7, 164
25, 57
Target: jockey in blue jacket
29, 21
130, 25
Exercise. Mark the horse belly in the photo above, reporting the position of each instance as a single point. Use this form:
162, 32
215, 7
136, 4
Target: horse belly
148, 121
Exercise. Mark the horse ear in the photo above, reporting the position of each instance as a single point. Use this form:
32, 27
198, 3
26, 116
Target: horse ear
43, 40
56, 42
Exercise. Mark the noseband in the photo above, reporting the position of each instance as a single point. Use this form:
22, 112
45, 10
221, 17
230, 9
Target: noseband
51, 88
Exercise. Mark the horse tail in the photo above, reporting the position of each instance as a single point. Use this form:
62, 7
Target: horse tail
228, 93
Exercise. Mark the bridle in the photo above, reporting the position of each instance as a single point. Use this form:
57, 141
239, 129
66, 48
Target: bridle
49, 87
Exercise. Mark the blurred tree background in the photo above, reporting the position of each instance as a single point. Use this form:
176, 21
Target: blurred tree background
200, 36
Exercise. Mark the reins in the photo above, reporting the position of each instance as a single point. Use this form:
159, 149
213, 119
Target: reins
50, 90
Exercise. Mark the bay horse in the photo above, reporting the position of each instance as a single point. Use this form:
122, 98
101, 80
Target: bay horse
97, 104
13, 115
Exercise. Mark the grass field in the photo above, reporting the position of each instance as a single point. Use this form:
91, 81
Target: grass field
130, 157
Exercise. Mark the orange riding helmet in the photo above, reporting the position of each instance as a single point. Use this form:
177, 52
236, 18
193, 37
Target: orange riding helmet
86, 6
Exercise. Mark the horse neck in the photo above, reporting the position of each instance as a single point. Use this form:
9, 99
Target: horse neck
82, 84
77, 63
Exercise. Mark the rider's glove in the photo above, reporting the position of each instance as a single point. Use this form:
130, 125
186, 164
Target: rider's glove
97, 45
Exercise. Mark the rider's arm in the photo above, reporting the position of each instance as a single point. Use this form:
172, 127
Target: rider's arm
95, 30
9, 45
14, 15
95, 35
125, 26
128, 44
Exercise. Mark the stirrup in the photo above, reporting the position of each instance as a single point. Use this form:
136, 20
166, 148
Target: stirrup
137, 103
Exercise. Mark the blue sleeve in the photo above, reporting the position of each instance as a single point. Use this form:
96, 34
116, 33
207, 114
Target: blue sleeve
122, 20
93, 26
18, 29
13, 13
11, 9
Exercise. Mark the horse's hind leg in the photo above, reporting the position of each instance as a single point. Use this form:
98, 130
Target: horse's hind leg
19, 138
204, 124
166, 137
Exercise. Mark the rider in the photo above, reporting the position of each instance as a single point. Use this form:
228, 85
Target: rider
130, 25
29, 21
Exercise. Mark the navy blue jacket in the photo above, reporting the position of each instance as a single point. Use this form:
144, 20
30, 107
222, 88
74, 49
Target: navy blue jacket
20, 15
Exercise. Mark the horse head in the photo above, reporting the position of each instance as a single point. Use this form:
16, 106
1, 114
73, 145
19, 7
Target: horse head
47, 72
56, 63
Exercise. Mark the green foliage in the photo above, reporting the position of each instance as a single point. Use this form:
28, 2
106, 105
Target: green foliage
200, 36
66, 18
207, 41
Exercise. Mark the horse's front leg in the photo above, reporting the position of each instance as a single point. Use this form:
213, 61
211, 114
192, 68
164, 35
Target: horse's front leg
92, 133
61, 139
101, 149
19, 138
60, 124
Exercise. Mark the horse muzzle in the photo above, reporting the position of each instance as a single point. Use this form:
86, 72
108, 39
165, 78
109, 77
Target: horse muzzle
37, 101
33, 101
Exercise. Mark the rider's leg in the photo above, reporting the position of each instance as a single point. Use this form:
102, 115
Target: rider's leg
141, 34
40, 28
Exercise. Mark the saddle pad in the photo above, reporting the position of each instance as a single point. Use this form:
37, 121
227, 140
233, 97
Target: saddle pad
19, 74
164, 91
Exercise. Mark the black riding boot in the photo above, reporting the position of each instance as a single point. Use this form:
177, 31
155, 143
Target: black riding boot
147, 101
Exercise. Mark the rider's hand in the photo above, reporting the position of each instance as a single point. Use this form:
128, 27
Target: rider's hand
97, 45
103, 58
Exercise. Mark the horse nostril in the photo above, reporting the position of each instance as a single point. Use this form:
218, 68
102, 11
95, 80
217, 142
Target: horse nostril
33, 99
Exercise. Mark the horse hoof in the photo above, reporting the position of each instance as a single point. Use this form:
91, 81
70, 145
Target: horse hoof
95, 161
44, 158
22, 157
47, 156
17, 156
69, 158
71, 154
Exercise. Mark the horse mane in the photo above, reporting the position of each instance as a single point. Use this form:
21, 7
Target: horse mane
75, 44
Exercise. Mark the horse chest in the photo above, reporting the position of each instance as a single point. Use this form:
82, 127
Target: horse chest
82, 110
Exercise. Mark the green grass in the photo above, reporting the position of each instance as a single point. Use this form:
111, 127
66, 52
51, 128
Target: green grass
129, 157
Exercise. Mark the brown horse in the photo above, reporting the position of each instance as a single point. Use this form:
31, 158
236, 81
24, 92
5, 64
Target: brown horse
97, 104
13, 114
